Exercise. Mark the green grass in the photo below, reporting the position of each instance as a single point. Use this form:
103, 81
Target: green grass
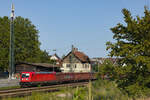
106, 90
63, 94
101, 90
10, 87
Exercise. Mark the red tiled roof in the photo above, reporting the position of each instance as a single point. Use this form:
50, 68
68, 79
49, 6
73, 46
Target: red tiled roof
81, 56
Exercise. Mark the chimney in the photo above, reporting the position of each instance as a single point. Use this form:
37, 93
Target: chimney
74, 49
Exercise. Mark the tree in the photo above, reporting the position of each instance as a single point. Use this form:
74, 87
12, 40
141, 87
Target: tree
133, 47
107, 70
4, 42
95, 67
27, 45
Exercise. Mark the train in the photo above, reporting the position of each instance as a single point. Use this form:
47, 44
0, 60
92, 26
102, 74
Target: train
28, 79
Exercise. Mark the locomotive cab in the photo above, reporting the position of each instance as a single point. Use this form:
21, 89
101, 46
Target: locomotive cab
25, 77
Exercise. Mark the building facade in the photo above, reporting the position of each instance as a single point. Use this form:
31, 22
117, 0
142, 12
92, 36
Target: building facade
76, 61
57, 59
36, 67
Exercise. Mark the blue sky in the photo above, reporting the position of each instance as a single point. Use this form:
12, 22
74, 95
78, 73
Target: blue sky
83, 23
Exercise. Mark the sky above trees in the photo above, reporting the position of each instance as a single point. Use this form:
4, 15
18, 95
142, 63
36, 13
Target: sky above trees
83, 23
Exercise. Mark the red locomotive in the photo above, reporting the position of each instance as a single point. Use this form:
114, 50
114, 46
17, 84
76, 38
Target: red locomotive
44, 78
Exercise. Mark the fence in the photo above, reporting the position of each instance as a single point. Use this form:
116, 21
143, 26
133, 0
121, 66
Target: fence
3, 75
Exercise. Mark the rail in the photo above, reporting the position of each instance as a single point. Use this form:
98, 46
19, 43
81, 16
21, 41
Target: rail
28, 91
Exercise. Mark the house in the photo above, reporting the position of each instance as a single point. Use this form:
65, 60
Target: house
56, 58
100, 61
76, 61
36, 67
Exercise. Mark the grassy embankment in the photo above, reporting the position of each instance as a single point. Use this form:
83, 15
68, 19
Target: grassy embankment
10, 87
101, 90
63, 94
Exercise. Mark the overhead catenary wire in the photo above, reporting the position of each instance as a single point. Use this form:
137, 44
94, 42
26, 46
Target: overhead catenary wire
147, 3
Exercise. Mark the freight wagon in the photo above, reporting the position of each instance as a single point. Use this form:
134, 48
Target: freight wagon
46, 78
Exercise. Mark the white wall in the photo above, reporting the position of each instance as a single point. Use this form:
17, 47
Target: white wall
76, 67
53, 58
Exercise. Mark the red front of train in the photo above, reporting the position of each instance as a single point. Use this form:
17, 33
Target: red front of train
37, 78
45, 78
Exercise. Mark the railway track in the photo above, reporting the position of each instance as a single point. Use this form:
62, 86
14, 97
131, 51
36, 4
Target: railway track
28, 91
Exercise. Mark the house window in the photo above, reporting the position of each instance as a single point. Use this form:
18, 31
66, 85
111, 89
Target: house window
70, 59
68, 65
75, 65
87, 66
83, 65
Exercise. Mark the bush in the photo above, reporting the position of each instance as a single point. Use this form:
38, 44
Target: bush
107, 90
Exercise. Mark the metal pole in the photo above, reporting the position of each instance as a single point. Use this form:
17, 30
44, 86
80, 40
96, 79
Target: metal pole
11, 59
98, 67
90, 90
53, 66
90, 85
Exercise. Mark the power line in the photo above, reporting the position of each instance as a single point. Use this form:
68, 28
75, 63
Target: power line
147, 3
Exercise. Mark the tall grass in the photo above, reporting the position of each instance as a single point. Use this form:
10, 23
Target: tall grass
101, 90
106, 90
64, 94
10, 87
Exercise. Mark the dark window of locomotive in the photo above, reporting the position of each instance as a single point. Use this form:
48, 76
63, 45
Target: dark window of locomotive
25, 75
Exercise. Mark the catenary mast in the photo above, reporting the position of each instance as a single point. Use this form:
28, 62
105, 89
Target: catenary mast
11, 59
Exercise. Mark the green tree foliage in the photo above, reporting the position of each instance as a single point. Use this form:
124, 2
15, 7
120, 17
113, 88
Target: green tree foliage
95, 68
107, 70
27, 45
133, 47
4, 44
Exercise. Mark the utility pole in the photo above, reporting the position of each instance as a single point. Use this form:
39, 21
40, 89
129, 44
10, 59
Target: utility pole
98, 66
147, 4
11, 48
54, 60
90, 85
90, 90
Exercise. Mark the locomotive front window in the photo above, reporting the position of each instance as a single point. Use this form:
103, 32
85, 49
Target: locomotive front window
25, 75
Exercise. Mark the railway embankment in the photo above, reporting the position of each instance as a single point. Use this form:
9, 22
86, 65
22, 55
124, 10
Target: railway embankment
9, 82
28, 91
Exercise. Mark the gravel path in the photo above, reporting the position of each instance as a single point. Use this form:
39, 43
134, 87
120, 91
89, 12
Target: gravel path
9, 82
